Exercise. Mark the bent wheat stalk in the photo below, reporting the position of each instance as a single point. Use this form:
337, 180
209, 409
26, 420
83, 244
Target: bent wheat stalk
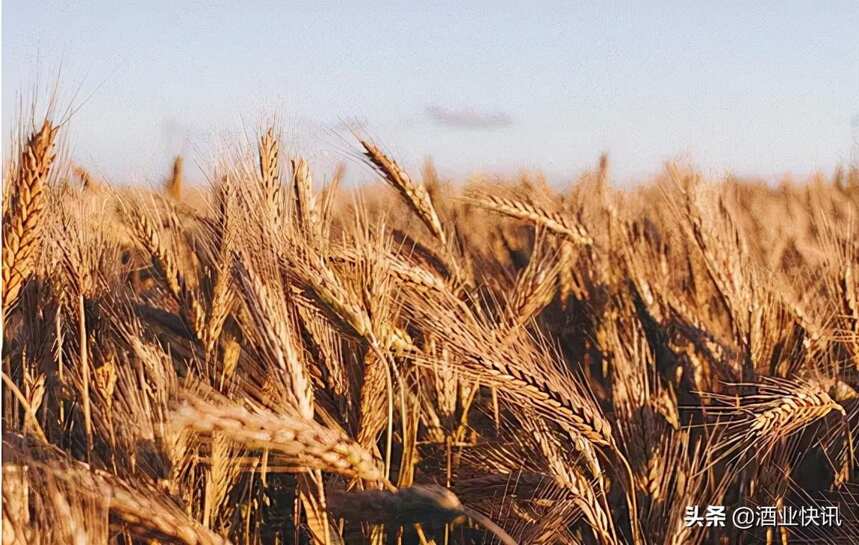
431, 504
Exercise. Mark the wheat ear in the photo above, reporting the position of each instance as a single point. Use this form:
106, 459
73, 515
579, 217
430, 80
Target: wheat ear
552, 221
22, 222
302, 442
414, 194
302, 187
173, 186
191, 310
269, 166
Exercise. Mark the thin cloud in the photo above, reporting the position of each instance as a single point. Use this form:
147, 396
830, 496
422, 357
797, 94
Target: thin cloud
467, 118
351, 124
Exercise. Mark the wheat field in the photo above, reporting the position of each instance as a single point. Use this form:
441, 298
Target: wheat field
275, 359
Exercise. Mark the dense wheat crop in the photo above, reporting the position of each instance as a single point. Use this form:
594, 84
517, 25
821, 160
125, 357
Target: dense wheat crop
274, 359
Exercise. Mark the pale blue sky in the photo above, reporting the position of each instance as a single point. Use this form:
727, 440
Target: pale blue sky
755, 89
